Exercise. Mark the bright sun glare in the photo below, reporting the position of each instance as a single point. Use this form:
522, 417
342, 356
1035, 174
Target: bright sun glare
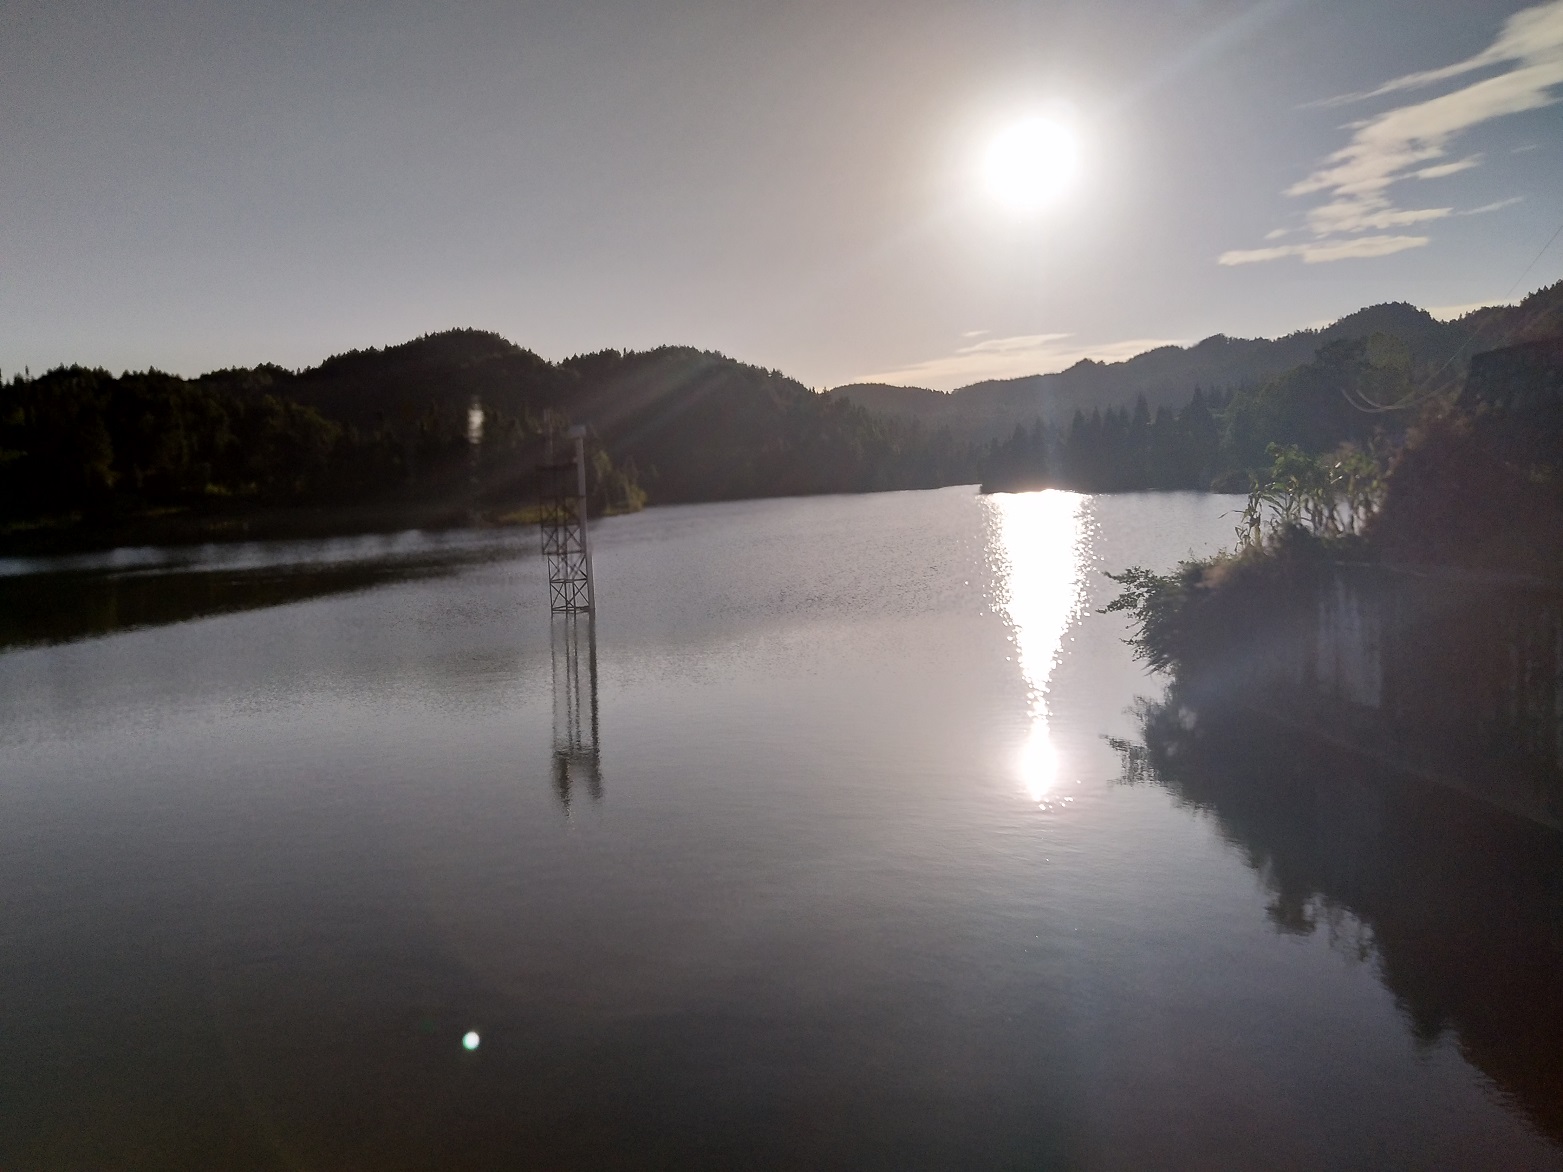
1031, 163
1042, 541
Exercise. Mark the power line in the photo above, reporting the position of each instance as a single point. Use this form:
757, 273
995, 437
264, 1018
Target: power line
1432, 388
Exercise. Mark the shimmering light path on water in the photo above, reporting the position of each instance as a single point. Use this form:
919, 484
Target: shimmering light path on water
1038, 549
843, 874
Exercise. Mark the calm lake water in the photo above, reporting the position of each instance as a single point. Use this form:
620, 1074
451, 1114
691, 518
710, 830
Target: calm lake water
815, 853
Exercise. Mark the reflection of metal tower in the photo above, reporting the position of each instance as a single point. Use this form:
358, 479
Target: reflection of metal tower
576, 757
563, 517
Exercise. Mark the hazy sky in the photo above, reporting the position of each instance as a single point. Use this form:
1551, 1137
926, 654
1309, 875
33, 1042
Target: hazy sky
796, 184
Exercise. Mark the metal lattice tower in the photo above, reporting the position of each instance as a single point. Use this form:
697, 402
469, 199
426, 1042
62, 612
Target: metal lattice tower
563, 518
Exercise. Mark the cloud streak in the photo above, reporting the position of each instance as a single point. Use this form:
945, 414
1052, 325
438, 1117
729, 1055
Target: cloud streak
1012, 357
1409, 141
1321, 252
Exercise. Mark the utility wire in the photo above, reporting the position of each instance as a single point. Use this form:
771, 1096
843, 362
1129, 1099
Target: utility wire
1362, 403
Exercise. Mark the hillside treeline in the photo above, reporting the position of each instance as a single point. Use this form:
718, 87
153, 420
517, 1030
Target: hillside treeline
84, 445
1369, 380
1340, 397
1116, 450
445, 429
449, 428
1166, 376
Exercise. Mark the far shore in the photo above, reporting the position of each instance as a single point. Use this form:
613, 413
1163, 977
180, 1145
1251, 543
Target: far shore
69, 535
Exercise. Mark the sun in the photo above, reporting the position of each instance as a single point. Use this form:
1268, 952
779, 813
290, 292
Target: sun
1031, 163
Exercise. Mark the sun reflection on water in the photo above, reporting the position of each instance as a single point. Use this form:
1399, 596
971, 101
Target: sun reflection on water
1037, 548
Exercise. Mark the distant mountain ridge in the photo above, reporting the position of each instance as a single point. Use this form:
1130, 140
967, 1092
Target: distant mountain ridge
391, 430
1168, 375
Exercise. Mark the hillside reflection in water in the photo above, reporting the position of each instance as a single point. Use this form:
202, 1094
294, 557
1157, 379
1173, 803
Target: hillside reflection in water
1459, 909
59, 600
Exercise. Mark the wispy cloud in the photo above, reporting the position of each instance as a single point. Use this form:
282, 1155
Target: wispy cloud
1526, 34
1454, 168
1320, 251
1496, 205
1010, 357
1407, 142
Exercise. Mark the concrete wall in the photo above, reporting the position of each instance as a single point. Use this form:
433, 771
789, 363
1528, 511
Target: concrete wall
1452, 675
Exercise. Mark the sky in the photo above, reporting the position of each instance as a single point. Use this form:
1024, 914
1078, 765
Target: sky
795, 183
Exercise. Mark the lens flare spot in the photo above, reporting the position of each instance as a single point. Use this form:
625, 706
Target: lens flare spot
470, 1040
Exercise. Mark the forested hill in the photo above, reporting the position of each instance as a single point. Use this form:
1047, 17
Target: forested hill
694, 425
83, 451
1168, 375
90, 457
699, 426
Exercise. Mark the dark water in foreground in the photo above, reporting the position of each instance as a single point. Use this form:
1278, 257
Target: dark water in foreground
849, 876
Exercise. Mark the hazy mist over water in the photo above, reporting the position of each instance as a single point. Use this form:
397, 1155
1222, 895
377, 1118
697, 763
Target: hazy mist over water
847, 878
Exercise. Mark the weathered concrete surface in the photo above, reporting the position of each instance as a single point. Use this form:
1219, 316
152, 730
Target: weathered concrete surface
1453, 676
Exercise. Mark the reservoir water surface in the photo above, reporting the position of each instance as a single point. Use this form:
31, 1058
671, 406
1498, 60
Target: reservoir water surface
824, 848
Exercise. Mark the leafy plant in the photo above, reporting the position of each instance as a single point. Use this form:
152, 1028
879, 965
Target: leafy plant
1333, 495
1158, 604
